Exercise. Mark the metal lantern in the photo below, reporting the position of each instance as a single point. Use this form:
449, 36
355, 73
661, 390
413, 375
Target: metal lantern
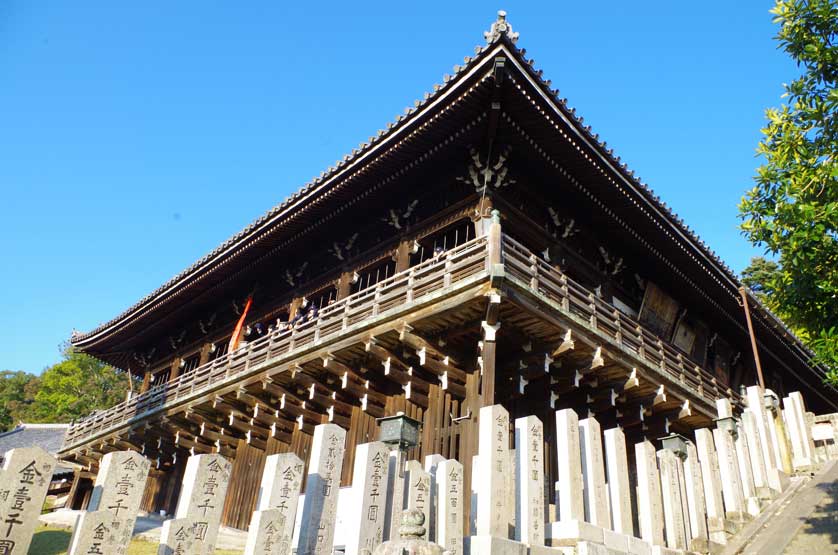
675, 443
728, 424
399, 431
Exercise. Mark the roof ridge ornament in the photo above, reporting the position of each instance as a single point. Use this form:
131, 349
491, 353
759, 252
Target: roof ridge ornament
500, 28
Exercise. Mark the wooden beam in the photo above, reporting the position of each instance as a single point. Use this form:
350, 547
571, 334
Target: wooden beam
415, 341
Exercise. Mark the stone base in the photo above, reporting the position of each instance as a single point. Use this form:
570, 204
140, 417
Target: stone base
765, 493
590, 548
616, 541
588, 539
778, 480
718, 537
544, 550
639, 547
570, 532
736, 517
660, 550
714, 548
699, 545
753, 506
490, 545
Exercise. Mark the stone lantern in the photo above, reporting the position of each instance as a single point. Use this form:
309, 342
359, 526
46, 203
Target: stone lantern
410, 542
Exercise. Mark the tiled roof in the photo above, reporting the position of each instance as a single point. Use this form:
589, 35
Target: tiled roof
501, 31
49, 437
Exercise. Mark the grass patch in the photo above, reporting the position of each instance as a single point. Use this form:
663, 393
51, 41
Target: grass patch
55, 541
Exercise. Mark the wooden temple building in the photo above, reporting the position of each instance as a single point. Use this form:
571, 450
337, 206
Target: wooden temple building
485, 247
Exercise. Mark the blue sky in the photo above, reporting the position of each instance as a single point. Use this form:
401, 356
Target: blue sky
136, 137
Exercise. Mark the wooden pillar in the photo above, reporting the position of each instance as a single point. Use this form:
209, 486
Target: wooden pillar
146, 381
203, 358
174, 372
74, 488
403, 255
488, 353
296, 303
344, 285
481, 216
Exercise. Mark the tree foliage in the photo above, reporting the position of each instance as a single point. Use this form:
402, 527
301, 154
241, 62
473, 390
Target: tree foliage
73, 388
793, 210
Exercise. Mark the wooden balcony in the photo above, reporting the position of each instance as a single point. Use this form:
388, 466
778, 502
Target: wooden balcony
425, 283
458, 271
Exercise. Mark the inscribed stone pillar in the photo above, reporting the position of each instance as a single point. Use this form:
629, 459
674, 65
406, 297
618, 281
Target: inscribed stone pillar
746, 475
806, 433
272, 524
265, 534
696, 507
673, 503
571, 502
761, 417
616, 465
593, 473
282, 480
529, 480
776, 438
24, 481
729, 472
798, 454
117, 494
395, 495
194, 529
756, 405
317, 526
369, 487
796, 429
431, 464
449, 497
417, 493
510, 489
493, 465
712, 482
749, 427
650, 512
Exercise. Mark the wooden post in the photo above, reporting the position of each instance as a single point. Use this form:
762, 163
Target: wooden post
146, 381
203, 358
74, 488
403, 255
482, 212
175, 370
488, 354
494, 240
344, 285
296, 303
744, 293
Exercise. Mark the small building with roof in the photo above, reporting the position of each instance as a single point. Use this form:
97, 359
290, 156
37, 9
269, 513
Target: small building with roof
49, 437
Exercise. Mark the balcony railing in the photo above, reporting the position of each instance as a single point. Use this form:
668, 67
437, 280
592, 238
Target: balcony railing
388, 297
598, 315
395, 295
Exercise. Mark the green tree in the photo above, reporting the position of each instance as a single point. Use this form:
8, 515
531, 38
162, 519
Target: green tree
16, 390
759, 276
793, 210
77, 386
